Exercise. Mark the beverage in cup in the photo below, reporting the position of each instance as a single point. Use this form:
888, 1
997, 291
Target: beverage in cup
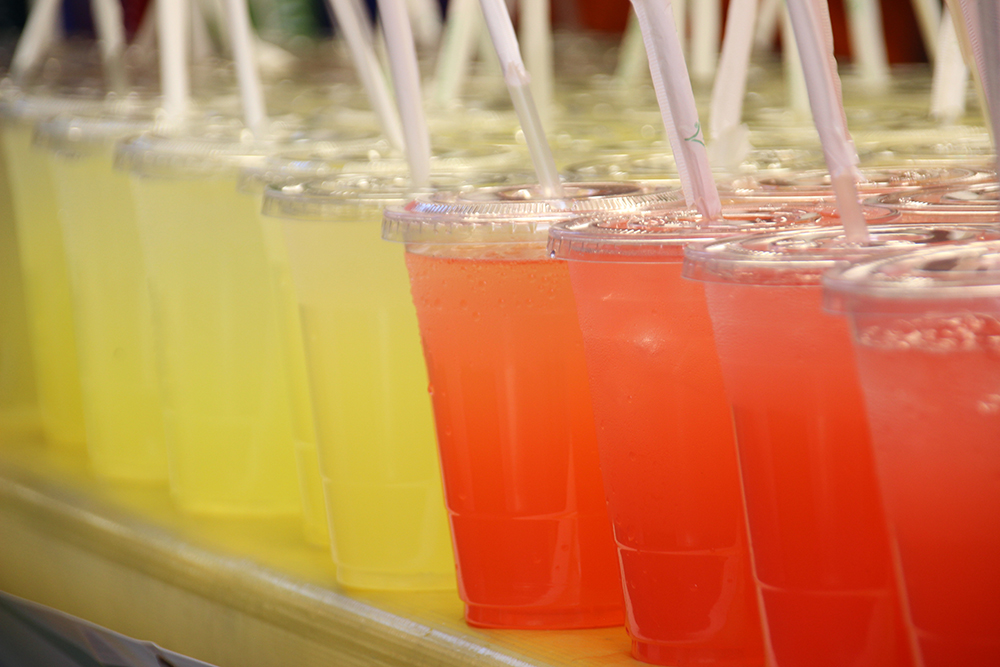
821, 552
223, 380
43, 264
111, 309
515, 431
374, 429
664, 431
926, 327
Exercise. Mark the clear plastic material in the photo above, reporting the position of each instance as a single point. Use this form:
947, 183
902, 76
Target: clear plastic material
822, 556
973, 203
926, 327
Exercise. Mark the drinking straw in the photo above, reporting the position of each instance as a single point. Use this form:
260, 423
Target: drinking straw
795, 79
981, 22
677, 106
39, 32
357, 31
928, 13
705, 23
536, 40
171, 23
632, 64
251, 90
951, 74
425, 21
814, 37
864, 21
518, 83
406, 83
110, 28
463, 26
768, 18
730, 142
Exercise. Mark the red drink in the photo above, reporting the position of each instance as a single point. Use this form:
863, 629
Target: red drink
927, 335
516, 436
821, 547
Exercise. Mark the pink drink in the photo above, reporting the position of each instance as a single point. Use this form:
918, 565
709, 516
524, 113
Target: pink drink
821, 547
927, 335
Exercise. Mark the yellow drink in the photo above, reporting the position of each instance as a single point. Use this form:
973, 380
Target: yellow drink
46, 287
18, 400
378, 455
112, 313
222, 368
316, 523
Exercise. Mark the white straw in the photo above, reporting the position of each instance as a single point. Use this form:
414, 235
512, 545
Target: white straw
463, 26
632, 62
981, 22
681, 21
36, 38
677, 106
950, 85
251, 90
730, 141
864, 20
425, 22
705, 24
928, 14
814, 37
357, 31
518, 83
768, 20
536, 41
110, 28
406, 82
172, 28
795, 80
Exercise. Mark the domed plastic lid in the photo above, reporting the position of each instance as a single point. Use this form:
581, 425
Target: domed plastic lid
815, 184
660, 235
799, 257
511, 214
80, 134
965, 277
974, 197
214, 147
327, 199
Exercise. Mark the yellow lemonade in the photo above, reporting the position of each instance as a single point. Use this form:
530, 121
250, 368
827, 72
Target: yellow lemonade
222, 368
378, 454
46, 287
18, 400
112, 314
316, 523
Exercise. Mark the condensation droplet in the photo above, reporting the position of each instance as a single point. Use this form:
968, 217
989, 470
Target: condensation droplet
989, 405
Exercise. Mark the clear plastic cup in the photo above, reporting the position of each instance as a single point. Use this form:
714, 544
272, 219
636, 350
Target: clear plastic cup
19, 416
508, 382
374, 428
822, 556
43, 262
224, 384
111, 309
664, 431
926, 327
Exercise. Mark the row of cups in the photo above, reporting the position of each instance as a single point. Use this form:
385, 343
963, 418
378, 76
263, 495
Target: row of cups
272, 354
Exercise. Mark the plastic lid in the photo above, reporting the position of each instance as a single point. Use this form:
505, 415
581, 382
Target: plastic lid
978, 196
327, 199
815, 184
79, 134
646, 165
660, 235
511, 214
967, 276
799, 257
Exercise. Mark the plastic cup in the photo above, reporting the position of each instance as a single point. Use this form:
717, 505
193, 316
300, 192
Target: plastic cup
374, 428
43, 263
223, 380
111, 309
19, 415
508, 383
664, 431
822, 555
926, 328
